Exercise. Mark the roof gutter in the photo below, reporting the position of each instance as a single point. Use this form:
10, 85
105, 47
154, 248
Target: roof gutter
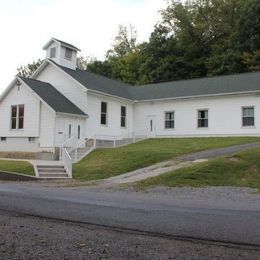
200, 96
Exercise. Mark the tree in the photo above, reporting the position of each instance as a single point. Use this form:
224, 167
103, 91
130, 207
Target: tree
124, 42
249, 26
252, 60
27, 70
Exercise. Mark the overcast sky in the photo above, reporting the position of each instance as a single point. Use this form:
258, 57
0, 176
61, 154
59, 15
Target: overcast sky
91, 25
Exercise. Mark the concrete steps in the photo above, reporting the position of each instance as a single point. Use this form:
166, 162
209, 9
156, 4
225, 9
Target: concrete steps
52, 172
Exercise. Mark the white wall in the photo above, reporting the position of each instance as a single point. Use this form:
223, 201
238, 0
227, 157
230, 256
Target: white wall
19, 144
31, 112
113, 126
38, 122
47, 128
62, 128
225, 116
60, 56
66, 85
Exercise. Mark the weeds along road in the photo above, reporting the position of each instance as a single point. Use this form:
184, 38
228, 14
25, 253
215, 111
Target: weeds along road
154, 214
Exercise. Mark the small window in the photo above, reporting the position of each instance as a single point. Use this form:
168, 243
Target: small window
203, 118
248, 116
53, 52
31, 139
69, 130
169, 120
123, 116
103, 119
68, 53
17, 117
3, 139
78, 131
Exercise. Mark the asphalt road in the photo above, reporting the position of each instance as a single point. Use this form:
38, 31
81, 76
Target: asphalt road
155, 213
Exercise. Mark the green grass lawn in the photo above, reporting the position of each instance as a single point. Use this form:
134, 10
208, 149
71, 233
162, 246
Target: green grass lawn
104, 163
242, 170
18, 167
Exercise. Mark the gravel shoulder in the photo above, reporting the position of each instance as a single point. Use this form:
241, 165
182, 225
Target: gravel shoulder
24, 237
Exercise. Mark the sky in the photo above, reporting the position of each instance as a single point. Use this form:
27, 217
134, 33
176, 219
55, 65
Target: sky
91, 25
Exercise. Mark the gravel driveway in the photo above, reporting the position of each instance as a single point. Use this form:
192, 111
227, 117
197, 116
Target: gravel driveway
36, 238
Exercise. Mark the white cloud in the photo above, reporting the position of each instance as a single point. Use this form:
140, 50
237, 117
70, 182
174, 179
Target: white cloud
90, 25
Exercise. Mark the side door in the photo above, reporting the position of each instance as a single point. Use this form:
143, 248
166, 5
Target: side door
151, 125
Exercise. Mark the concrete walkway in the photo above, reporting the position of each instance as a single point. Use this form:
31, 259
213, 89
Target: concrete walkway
173, 165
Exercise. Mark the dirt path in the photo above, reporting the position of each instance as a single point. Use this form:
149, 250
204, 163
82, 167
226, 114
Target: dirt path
173, 165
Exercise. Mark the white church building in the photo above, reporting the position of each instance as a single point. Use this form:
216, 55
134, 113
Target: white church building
60, 102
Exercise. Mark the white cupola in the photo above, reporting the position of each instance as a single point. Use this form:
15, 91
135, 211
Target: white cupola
63, 53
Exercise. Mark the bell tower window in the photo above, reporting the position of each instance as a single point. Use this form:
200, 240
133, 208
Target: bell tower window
68, 54
53, 52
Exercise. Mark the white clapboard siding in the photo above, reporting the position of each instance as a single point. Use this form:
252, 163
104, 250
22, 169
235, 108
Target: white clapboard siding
225, 116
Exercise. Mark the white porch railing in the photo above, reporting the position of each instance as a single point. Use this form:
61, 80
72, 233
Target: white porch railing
66, 159
113, 141
84, 148
71, 151
65, 150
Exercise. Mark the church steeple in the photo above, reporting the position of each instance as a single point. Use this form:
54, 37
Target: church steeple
63, 53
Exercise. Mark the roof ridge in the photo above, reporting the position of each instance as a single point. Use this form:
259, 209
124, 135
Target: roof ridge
201, 78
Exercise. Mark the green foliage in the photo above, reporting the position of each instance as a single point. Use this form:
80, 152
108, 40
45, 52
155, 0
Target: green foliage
105, 163
17, 166
249, 26
29, 69
196, 38
242, 170
252, 60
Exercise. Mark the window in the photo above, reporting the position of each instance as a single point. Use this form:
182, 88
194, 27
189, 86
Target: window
68, 54
169, 120
203, 118
3, 139
31, 139
103, 119
123, 116
53, 52
69, 130
248, 116
78, 131
17, 117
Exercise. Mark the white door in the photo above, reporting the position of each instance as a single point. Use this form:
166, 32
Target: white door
150, 126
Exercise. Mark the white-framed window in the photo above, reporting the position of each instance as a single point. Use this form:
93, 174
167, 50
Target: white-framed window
17, 117
69, 130
3, 139
169, 120
248, 116
53, 52
203, 120
103, 116
78, 131
123, 116
68, 53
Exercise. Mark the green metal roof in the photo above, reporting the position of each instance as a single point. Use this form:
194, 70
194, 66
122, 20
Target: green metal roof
57, 101
238, 83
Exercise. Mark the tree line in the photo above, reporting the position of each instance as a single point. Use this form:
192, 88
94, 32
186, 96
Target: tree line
197, 38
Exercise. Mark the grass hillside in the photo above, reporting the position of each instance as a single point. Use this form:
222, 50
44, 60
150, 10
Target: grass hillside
16, 166
104, 163
242, 170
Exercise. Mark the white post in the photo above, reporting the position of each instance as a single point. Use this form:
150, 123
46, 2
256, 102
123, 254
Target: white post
95, 141
134, 137
60, 153
114, 143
